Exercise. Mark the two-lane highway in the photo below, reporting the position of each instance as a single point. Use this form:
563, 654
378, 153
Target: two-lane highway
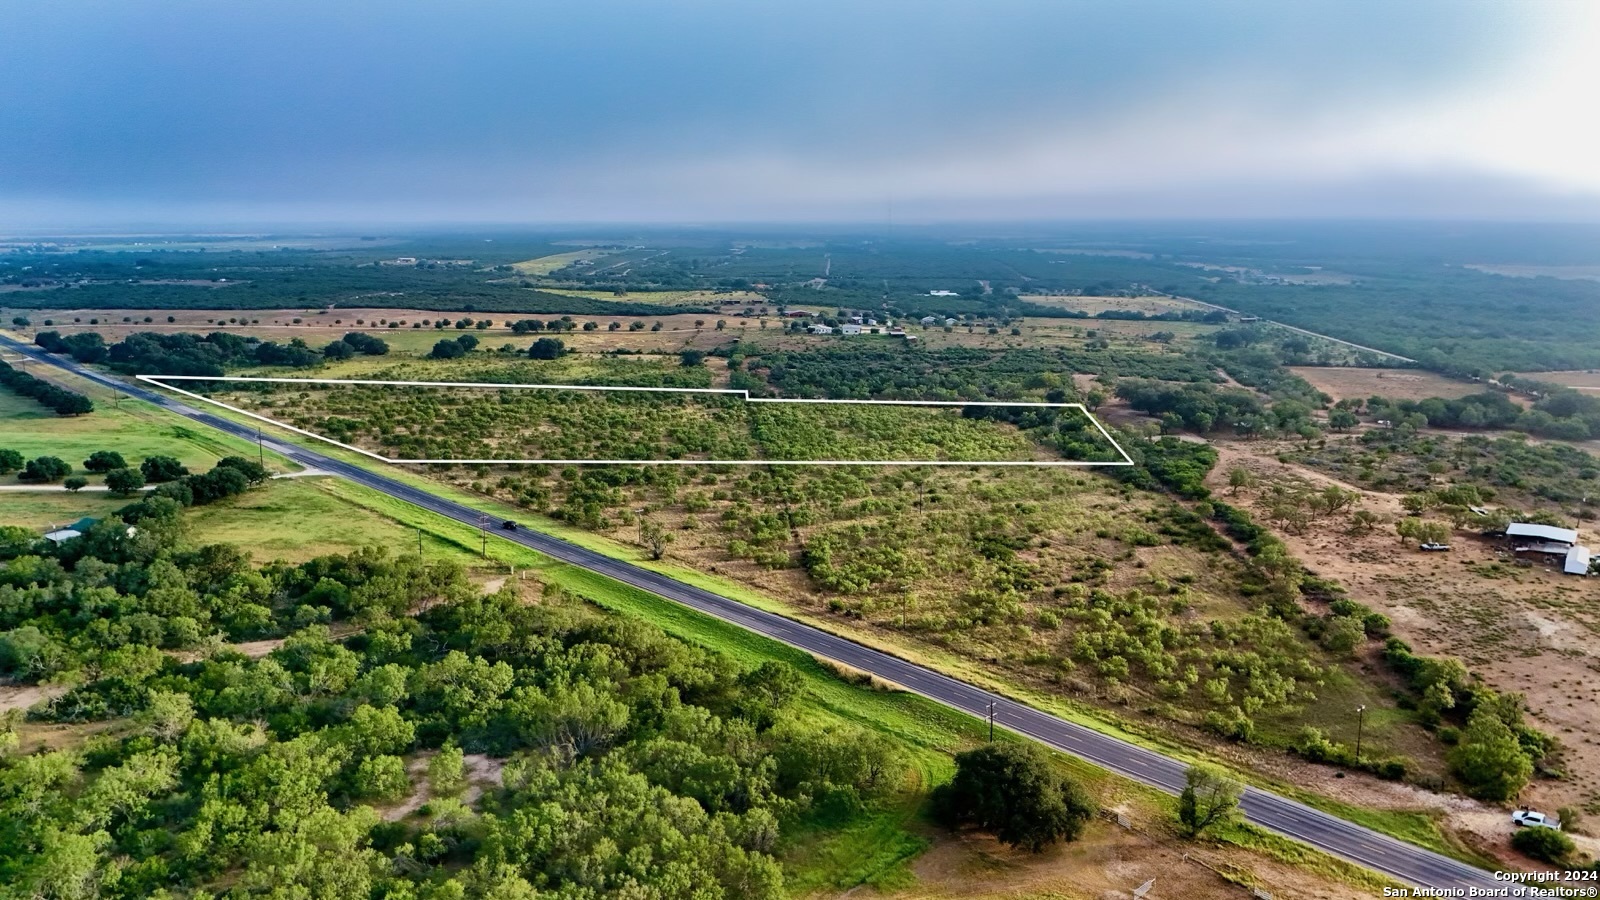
1405, 862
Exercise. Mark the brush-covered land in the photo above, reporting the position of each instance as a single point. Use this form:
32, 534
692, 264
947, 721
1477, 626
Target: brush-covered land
1239, 589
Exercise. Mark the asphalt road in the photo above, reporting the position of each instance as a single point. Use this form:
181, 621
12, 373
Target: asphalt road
1405, 862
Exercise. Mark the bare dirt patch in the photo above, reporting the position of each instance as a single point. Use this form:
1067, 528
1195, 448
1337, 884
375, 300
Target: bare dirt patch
22, 696
1583, 379
1106, 862
1529, 630
1351, 383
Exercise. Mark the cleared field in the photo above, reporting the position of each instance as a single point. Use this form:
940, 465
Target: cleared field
1582, 379
1144, 336
544, 265
672, 298
1341, 382
1092, 305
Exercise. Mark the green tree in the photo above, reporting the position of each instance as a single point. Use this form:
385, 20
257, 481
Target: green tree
167, 715
1343, 634
338, 350
1239, 478
1012, 791
75, 483
1342, 420
655, 537
158, 469
1209, 797
125, 482
447, 772
547, 348
45, 469
447, 349
102, 461
382, 778
1489, 760
10, 461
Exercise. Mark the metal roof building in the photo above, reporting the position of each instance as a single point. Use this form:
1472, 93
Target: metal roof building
1542, 532
1577, 561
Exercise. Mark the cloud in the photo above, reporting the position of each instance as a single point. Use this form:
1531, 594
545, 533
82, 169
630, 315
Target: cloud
613, 110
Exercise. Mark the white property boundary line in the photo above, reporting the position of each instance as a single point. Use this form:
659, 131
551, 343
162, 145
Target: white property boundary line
160, 381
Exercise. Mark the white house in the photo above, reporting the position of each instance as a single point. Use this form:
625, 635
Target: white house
821, 329
943, 294
928, 320
849, 329
949, 322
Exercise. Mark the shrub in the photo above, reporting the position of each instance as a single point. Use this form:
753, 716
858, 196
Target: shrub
1546, 844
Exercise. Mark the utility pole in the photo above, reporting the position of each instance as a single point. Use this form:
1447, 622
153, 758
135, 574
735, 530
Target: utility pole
1361, 718
483, 534
991, 721
419, 543
261, 452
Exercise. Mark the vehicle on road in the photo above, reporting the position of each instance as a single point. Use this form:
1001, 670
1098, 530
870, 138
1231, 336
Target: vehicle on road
508, 525
1435, 547
1532, 818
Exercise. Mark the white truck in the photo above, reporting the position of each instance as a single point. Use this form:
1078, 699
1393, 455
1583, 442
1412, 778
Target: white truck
1532, 818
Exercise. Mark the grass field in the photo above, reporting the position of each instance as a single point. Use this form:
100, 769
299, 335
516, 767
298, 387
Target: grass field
131, 427
46, 510
1348, 382
544, 265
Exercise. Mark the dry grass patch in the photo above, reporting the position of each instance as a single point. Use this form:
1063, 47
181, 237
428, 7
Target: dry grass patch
1351, 383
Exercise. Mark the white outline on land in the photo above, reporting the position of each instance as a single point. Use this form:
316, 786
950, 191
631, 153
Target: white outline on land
160, 381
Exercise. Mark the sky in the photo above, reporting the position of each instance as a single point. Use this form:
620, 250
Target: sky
181, 113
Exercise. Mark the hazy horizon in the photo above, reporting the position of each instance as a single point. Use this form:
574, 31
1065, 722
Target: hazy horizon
296, 115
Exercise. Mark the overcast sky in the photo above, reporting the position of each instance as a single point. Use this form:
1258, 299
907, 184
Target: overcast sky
339, 111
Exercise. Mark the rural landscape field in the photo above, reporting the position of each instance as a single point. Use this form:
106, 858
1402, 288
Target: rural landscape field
825, 451
1250, 591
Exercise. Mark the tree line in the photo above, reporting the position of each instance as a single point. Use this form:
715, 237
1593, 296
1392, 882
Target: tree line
59, 399
183, 353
